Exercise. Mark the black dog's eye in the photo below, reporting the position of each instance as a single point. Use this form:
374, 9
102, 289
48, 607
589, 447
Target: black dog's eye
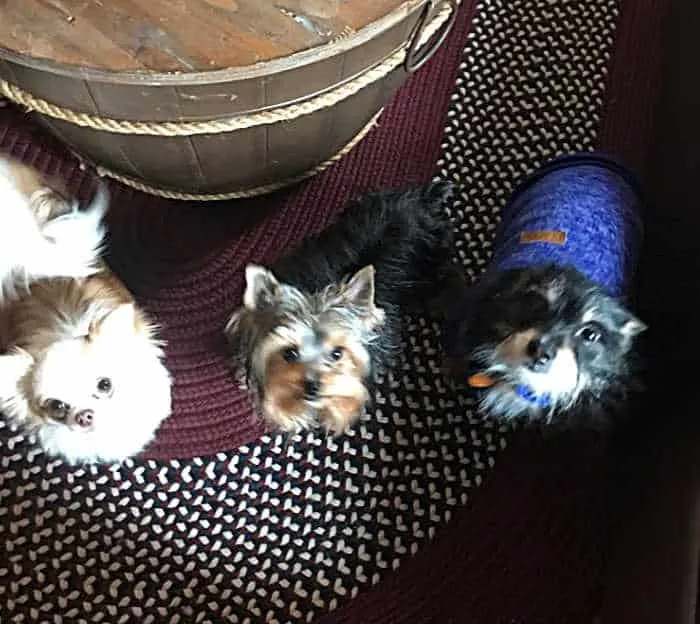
104, 385
337, 353
290, 355
58, 410
591, 332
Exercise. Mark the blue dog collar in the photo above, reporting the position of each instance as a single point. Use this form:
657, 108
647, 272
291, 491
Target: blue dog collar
541, 400
484, 380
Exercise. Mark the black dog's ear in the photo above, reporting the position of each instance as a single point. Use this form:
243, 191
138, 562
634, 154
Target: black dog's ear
632, 326
626, 323
261, 289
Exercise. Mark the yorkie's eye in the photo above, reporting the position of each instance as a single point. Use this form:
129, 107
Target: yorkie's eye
290, 355
58, 410
104, 385
592, 332
337, 353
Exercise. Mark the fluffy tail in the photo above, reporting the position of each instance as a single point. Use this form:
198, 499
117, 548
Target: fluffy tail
406, 235
66, 246
77, 238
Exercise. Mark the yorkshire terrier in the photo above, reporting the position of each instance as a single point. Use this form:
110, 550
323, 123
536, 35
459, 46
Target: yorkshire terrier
315, 327
81, 367
545, 335
44, 233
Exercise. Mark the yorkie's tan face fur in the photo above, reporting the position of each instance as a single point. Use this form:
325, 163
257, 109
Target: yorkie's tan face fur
307, 354
311, 374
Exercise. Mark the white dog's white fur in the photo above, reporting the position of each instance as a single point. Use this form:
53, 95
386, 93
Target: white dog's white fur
67, 324
65, 339
42, 234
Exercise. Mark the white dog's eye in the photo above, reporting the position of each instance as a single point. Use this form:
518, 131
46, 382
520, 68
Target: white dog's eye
104, 385
590, 333
58, 410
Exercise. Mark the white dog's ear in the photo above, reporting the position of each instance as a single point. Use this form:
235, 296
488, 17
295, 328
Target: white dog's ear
119, 323
13, 367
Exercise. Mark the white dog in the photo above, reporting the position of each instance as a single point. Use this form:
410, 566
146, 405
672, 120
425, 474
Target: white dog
82, 368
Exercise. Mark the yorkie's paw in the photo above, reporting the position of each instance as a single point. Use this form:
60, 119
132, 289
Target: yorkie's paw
287, 420
339, 413
334, 416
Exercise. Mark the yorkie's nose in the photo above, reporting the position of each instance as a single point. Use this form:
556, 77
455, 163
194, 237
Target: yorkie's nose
311, 389
84, 418
542, 352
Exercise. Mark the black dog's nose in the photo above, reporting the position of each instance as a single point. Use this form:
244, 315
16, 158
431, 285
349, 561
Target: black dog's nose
311, 389
542, 362
542, 353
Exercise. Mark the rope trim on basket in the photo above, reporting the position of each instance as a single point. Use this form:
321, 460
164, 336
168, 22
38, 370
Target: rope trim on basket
216, 126
251, 192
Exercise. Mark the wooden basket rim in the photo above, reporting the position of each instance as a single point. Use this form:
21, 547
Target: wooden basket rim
231, 74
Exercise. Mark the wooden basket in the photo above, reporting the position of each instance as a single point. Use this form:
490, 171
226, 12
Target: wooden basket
192, 116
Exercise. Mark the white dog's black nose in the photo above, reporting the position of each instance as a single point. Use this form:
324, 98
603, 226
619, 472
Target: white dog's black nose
311, 389
85, 418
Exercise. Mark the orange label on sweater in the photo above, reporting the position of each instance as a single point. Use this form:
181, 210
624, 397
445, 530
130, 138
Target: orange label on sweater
556, 237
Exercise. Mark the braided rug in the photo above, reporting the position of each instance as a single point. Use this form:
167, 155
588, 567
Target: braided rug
220, 522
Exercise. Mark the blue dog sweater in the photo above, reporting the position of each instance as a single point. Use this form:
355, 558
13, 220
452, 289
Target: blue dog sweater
581, 210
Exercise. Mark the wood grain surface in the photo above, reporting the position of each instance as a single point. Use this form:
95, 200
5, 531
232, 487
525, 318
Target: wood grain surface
179, 35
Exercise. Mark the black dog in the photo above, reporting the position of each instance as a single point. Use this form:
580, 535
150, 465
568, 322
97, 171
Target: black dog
547, 343
545, 335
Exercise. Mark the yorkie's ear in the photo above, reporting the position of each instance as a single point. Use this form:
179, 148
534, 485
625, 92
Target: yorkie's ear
359, 290
261, 288
13, 367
